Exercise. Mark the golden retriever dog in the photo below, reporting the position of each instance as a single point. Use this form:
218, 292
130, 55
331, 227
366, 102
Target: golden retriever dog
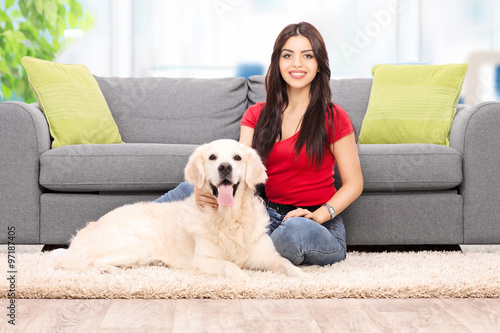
221, 240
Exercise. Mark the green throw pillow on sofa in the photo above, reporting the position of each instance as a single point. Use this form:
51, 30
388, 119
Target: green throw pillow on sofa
72, 102
412, 103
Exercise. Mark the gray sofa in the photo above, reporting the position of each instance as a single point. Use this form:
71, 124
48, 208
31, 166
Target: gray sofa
413, 193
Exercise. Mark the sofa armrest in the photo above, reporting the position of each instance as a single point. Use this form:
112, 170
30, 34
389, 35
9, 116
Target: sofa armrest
474, 134
24, 136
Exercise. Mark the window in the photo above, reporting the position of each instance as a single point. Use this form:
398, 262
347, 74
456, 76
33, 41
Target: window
217, 38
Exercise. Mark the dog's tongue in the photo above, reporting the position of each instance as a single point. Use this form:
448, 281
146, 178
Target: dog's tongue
225, 197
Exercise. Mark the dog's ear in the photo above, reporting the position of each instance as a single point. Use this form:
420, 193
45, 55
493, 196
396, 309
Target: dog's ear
195, 168
255, 170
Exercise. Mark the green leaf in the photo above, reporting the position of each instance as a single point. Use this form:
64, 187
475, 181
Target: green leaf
6, 90
56, 44
15, 14
14, 36
61, 10
29, 31
8, 3
4, 18
61, 25
51, 14
29, 97
24, 8
72, 19
21, 86
88, 22
74, 15
39, 6
76, 8
45, 46
4, 68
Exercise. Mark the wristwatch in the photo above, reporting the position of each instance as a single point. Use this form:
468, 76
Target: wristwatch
330, 209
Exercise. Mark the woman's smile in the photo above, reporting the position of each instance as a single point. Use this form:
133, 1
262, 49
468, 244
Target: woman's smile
297, 74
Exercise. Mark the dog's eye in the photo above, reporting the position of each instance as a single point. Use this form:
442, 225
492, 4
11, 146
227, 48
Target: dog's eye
237, 157
212, 157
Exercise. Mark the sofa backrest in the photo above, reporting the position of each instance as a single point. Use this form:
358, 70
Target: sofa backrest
175, 110
351, 94
196, 111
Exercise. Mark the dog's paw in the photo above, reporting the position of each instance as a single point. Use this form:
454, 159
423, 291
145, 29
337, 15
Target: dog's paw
157, 263
57, 253
294, 271
237, 273
109, 269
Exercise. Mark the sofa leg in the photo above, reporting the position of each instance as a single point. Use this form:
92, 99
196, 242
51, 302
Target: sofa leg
480, 248
21, 248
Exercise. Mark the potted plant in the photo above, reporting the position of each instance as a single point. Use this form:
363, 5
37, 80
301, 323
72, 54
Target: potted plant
34, 28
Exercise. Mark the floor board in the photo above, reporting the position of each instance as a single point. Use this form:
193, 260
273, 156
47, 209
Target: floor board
137, 314
195, 315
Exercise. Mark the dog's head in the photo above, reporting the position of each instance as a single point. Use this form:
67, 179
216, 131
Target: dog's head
223, 166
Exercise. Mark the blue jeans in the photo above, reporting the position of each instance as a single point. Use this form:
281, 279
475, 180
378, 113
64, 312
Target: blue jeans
300, 240
306, 242
181, 192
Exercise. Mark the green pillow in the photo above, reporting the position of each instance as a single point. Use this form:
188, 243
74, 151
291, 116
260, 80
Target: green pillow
72, 102
412, 103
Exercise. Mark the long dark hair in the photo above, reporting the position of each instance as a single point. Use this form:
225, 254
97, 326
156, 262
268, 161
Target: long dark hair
313, 130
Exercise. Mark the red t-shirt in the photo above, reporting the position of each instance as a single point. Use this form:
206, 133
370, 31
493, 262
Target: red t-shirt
294, 181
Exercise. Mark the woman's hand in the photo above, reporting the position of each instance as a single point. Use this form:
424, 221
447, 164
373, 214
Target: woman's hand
204, 198
320, 215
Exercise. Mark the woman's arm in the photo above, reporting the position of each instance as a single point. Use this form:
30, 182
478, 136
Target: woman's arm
346, 156
246, 135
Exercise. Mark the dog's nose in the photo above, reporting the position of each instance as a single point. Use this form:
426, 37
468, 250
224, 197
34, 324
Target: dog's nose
225, 169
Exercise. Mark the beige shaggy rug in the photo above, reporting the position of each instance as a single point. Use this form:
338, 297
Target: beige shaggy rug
362, 275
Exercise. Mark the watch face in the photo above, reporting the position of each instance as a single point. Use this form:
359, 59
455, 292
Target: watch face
330, 209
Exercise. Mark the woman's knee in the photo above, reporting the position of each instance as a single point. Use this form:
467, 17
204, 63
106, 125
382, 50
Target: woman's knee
185, 187
181, 192
290, 237
303, 241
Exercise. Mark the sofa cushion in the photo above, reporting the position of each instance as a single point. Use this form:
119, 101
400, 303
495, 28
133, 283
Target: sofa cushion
412, 103
125, 167
351, 94
72, 103
407, 167
158, 167
180, 110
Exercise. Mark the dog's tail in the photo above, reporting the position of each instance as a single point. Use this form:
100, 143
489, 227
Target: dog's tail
68, 259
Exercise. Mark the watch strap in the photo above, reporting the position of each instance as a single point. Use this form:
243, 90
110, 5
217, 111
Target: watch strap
330, 209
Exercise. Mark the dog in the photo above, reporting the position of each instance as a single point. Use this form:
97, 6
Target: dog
220, 240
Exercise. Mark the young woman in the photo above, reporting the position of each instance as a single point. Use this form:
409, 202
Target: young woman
300, 134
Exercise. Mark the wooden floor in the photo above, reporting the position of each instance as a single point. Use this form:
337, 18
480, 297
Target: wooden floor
325, 315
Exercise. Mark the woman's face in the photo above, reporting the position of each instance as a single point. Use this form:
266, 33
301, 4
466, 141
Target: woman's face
298, 64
